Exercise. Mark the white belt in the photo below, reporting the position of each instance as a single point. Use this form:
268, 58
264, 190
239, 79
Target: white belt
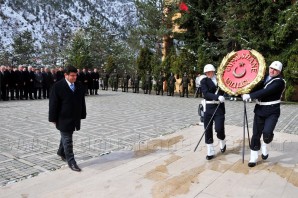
268, 103
212, 102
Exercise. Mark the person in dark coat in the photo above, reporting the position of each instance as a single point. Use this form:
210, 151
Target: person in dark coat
90, 82
213, 96
38, 84
4, 83
26, 78
95, 78
46, 83
60, 74
19, 83
31, 82
267, 110
66, 109
1, 77
11, 82
84, 74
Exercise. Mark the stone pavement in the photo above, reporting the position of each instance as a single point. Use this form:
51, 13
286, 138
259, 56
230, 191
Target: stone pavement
167, 167
115, 121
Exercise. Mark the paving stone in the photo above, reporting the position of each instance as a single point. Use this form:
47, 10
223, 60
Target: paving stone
115, 121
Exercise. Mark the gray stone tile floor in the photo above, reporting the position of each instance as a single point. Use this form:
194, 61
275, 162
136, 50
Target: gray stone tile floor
115, 121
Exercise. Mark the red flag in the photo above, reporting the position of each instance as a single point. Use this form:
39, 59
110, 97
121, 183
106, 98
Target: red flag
183, 7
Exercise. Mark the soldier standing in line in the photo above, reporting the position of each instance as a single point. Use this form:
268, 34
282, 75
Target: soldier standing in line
115, 79
185, 82
105, 80
125, 79
136, 82
159, 84
171, 84
148, 83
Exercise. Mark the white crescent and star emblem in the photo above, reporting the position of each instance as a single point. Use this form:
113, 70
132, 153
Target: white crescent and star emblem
240, 75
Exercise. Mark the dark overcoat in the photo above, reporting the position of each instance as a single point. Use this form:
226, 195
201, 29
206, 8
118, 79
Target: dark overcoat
67, 108
209, 90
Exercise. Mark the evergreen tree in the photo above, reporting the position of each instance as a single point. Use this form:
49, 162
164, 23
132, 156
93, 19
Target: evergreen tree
103, 45
150, 29
110, 66
23, 48
50, 49
79, 53
203, 23
144, 61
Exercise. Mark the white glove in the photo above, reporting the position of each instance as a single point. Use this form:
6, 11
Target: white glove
221, 99
245, 97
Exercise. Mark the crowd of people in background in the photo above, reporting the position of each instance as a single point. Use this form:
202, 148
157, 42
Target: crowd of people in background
33, 83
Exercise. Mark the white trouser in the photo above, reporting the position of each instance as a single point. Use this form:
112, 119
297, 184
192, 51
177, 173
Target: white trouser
253, 156
222, 143
210, 150
264, 149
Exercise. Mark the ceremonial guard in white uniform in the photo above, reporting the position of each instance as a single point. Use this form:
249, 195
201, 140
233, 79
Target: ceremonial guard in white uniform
267, 111
214, 106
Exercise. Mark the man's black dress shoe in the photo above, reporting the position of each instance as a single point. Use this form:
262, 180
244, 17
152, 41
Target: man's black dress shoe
252, 164
209, 157
264, 157
223, 149
74, 167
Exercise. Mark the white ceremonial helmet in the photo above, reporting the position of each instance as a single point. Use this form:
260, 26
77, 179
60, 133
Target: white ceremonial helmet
276, 65
208, 68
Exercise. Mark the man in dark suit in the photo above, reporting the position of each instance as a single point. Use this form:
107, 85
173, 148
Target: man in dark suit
66, 109
267, 111
214, 105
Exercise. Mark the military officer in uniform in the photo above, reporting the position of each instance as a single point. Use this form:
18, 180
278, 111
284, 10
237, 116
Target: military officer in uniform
136, 82
115, 79
159, 85
267, 111
213, 98
125, 79
171, 84
148, 83
105, 80
185, 82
